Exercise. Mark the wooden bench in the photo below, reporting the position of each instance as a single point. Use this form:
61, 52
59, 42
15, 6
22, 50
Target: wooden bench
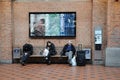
37, 56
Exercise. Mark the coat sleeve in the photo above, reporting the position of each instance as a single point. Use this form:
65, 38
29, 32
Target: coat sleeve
63, 50
73, 49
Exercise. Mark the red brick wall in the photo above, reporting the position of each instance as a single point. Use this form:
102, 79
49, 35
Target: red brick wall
99, 21
100, 17
83, 24
113, 30
5, 31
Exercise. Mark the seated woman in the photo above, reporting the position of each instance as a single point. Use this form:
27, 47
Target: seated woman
27, 51
69, 50
49, 51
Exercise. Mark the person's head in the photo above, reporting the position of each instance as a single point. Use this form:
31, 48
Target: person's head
42, 21
69, 42
48, 43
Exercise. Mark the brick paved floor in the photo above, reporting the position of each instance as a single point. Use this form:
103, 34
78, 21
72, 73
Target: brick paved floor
58, 72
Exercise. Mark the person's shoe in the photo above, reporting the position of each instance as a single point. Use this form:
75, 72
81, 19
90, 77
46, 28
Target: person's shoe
22, 63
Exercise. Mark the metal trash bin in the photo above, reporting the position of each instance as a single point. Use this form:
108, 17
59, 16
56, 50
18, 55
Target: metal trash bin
16, 53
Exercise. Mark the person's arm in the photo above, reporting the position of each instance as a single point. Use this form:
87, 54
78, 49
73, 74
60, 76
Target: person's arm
24, 48
73, 49
64, 50
31, 49
53, 48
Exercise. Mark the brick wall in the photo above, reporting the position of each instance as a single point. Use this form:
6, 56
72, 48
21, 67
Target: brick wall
100, 18
99, 22
21, 21
5, 32
113, 30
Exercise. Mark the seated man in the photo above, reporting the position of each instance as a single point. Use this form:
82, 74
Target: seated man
69, 50
27, 51
49, 51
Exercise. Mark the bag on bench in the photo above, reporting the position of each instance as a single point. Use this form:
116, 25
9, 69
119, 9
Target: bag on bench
45, 52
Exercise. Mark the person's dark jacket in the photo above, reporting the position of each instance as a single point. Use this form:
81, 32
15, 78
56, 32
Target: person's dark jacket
65, 49
28, 48
52, 49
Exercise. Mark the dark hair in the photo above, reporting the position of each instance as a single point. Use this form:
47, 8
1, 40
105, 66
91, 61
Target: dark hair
48, 42
43, 20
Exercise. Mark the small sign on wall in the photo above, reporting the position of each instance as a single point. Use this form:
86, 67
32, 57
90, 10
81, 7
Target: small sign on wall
98, 38
87, 53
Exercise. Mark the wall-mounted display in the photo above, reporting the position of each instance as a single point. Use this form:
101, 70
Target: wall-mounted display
52, 24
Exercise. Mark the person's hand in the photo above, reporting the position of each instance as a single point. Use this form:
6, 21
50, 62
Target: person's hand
67, 50
26, 53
